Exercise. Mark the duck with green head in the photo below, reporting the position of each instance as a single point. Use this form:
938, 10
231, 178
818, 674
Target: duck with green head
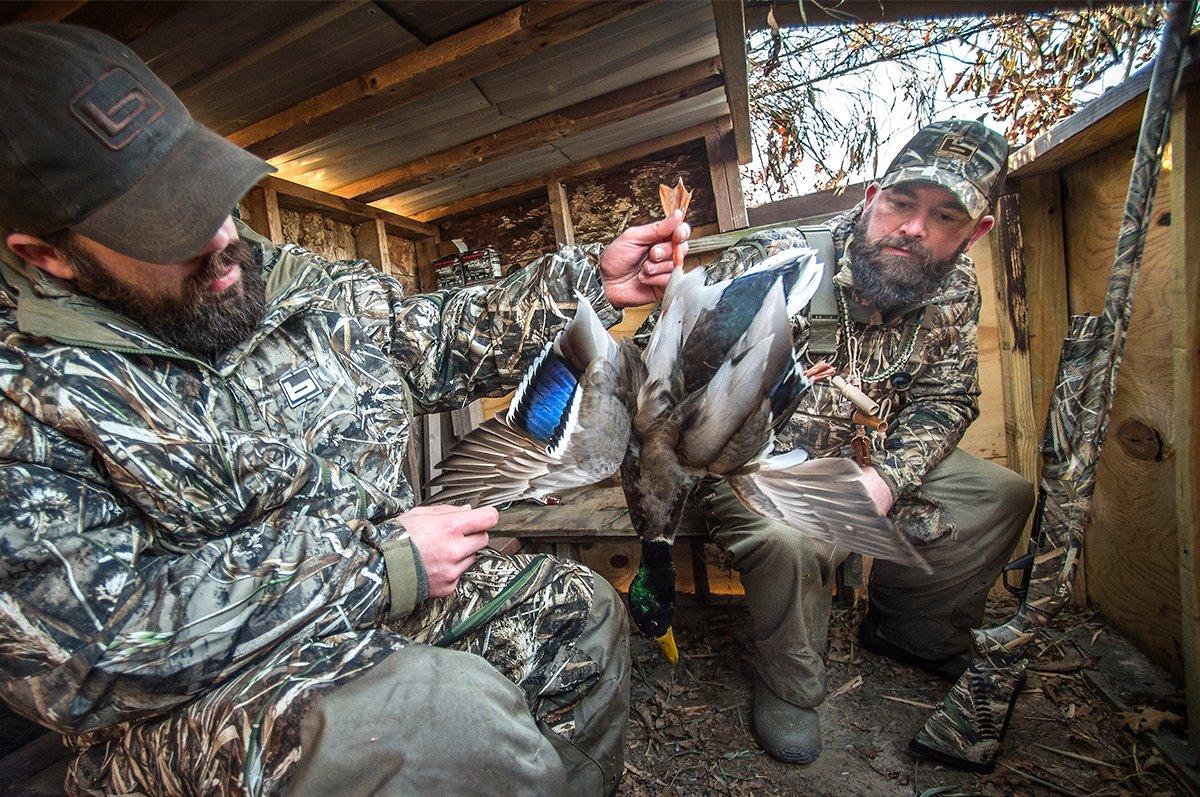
702, 401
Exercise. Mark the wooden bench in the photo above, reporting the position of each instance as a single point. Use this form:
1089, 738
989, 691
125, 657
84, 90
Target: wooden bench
599, 514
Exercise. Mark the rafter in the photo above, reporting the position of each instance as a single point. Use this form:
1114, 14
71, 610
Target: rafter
648, 95
575, 171
731, 39
481, 48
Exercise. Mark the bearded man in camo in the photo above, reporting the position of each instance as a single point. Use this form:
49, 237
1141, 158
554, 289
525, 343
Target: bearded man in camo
907, 314
213, 576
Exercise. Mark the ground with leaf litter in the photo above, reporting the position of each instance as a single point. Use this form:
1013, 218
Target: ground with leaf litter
689, 727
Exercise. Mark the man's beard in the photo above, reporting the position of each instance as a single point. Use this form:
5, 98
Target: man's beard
891, 282
200, 322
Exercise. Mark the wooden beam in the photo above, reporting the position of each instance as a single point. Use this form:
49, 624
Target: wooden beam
726, 182
1040, 203
731, 42
370, 240
808, 12
1185, 244
1012, 322
798, 208
300, 197
267, 46
624, 103
560, 214
262, 213
1114, 115
501, 40
49, 11
586, 168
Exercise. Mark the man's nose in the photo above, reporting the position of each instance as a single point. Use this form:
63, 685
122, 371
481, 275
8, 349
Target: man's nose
914, 226
224, 236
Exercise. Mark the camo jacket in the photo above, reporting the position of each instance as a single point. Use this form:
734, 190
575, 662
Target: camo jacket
165, 522
926, 419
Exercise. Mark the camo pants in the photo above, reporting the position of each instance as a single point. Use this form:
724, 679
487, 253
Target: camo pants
534, 702
788, 577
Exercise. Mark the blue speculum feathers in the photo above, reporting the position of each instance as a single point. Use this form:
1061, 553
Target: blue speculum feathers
544, 408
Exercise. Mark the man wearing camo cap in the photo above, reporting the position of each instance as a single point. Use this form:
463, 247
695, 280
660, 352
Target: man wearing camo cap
897, 316
213, 578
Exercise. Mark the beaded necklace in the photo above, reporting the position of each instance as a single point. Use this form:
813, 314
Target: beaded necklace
852, 347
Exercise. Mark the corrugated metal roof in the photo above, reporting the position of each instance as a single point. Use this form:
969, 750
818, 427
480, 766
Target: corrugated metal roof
234, 63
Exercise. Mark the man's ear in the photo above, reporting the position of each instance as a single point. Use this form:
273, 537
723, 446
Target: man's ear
981, 229
872, 192
36, 252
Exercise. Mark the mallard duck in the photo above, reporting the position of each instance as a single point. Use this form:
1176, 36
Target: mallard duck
718, 376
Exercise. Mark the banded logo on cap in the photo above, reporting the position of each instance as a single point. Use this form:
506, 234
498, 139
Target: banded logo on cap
967, 158
115, 109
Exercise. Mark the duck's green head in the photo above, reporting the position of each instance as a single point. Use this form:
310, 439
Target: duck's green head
652, 593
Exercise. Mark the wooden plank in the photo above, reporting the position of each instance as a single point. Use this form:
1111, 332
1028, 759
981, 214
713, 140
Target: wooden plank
1185, 254
1131, 552
798, 208
624, 103
300, 197
464, 419
1114, 115
498, 41
1040, 204
370, 240
262, 213
585, 168
731, 42
726, 182
985, 437
1022, 428
254, 52
560, 214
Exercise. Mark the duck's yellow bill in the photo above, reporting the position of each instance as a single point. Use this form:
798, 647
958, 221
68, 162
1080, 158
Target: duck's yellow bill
666, 643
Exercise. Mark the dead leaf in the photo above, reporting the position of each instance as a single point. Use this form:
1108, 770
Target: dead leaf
1148, 720
849, 686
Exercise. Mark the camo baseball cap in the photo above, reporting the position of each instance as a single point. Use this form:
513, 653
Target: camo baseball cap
92, 141
967, 158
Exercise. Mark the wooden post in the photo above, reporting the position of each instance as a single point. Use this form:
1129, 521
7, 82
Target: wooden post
370, 238
1185, 245
1040, 202
262, 213
1021, 426
726, 182
560, 214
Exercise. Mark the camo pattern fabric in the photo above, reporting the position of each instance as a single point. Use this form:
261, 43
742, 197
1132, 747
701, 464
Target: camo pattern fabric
244, 736
172, 528
928, 418
969, 723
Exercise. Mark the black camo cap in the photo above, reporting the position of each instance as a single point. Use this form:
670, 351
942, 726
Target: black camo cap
967, 158
93, 141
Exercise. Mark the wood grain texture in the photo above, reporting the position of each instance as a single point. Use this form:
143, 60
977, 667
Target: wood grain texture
560, 214
329, 238
301, 197
985, 437
725, 179
1131, 551
403, 256
1185, 256
731, 42
1044, 254
481, 48
370, 241
624, 103
261, 213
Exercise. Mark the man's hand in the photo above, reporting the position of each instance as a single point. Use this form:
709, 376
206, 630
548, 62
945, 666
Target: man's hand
635, 267
880, 493
447, 537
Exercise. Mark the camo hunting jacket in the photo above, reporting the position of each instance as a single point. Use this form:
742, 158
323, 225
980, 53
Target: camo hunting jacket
165, 522
939, 397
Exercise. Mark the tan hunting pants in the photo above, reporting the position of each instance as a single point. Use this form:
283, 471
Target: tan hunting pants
788, 576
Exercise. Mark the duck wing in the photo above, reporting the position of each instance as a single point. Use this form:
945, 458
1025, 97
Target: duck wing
567, 426
826, 499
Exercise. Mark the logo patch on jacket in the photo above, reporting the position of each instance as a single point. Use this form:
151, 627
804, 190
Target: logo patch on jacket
299, 386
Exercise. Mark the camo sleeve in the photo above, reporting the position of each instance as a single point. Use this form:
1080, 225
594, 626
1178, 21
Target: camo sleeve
942, 402
456, 346
103, 618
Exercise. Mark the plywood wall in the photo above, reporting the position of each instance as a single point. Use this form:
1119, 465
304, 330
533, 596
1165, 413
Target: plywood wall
1130, 554
985, 437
